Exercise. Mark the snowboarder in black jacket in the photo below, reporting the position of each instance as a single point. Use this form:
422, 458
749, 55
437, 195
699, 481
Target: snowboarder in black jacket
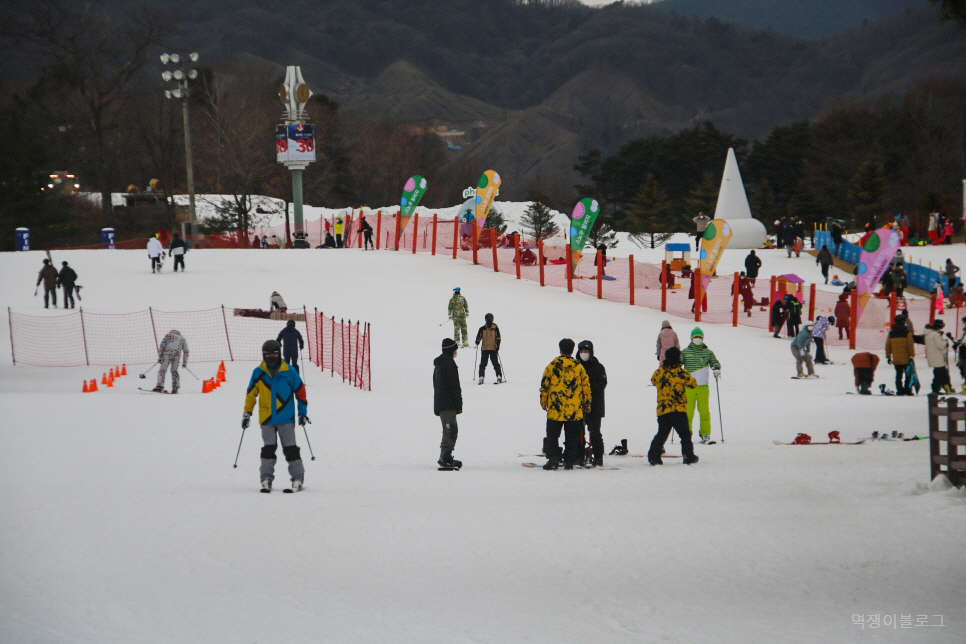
447, 401
597, 376
292, 343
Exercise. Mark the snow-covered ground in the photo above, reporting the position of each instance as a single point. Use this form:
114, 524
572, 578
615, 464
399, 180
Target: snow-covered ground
123, 520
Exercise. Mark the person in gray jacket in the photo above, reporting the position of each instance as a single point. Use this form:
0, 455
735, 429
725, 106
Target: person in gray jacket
701, 221
277, 302
937, 354
801, 349
169, 351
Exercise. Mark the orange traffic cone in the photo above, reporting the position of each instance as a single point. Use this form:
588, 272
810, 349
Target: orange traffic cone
86, 390
110, 382
204, 386
104, 379
93, 387
123, 369
117, 372
111, 374
221, 372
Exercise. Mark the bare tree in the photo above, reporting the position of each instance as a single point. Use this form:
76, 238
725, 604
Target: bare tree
92, 57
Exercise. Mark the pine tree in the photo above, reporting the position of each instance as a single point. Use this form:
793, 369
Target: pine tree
868, 194
538, 221
704, 196
494, 219
649, 219
763, 206
602, 233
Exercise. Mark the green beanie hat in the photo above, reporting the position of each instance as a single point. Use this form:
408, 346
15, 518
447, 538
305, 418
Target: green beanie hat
697, 332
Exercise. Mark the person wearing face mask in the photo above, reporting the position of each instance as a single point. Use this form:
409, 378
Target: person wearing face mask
489, 336
597, 376
447, 401
281, 395
699, 360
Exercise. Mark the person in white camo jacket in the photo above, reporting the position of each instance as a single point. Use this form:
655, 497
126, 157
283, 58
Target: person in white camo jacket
169, 351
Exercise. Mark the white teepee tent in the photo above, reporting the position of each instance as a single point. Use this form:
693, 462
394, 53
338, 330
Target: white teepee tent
733, 208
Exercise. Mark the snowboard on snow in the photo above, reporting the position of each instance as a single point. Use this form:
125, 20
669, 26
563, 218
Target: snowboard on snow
822, 443
152, 391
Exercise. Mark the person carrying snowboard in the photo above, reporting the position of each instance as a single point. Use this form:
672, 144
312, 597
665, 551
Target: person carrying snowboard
565, 396
597, 377
489, 337
280, 395
156, 253
292, 343
673, 383
699, 360
277, 302
48, 275
447, 401
169, 351
458, 310
66, 279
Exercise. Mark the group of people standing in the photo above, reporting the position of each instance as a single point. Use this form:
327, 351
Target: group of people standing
176, 248
52, 280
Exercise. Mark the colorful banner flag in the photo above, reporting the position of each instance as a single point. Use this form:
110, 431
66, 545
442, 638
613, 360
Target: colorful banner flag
877, 253
412, 193
581, 223
486, 191
713, 244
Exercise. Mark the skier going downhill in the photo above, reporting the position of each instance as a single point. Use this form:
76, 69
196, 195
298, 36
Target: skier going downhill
489, 337
281, 396
699, 360
458, 310
169, 351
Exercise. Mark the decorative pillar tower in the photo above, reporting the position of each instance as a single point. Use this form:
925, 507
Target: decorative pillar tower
294, 139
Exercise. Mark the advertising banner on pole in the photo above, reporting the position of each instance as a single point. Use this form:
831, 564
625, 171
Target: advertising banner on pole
581, 223
877, 253
486, 191
412, 192
294, 143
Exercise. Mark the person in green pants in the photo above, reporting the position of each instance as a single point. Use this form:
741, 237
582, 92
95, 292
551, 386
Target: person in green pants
699, 360
458, 310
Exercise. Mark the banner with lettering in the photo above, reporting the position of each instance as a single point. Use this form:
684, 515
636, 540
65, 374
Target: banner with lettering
412, 192
874, 259
581, 223
486, 191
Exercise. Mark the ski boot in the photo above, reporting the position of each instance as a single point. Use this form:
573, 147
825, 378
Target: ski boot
499, 379
705, 438
655, 461
174, 390
481, 380
297, 485
690, 460
266, 486
159, 388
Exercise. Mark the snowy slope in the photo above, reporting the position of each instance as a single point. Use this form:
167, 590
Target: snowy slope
125, 522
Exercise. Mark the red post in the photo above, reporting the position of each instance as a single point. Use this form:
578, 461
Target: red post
435, 218
378, 228
332, 351
570, 271
600, 276
664, 275
853, 318
734, 304
415, 228
772, 293
456, 235
811, 304
893, 306
475, 238
398, 230
630, 262
342, 331
540, 258
697, 295
496, 266
516, 252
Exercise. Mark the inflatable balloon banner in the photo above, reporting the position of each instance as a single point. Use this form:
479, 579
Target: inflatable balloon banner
581, 223
713, 244
486, 191
412, 193
874, 259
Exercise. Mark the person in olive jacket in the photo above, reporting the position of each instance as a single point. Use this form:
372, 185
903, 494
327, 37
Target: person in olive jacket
900, 349
48, 275
597, 376
447, 401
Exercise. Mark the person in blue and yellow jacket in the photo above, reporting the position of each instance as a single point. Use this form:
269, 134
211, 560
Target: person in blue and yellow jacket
280, 394
673, 383
565, 396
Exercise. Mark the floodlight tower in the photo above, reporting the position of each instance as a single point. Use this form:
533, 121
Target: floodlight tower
181, 76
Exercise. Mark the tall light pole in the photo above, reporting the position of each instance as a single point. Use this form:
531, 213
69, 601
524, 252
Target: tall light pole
295, 140
181, 76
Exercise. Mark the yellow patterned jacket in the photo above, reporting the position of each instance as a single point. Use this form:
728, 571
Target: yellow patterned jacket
672, 385
564, 390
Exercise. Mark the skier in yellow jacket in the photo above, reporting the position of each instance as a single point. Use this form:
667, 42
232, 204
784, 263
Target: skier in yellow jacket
565, 396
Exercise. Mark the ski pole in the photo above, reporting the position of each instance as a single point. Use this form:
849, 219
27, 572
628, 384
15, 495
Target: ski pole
143, 375
500, 360
307, 442
720, 423
475, 357
239, 447
189, 371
